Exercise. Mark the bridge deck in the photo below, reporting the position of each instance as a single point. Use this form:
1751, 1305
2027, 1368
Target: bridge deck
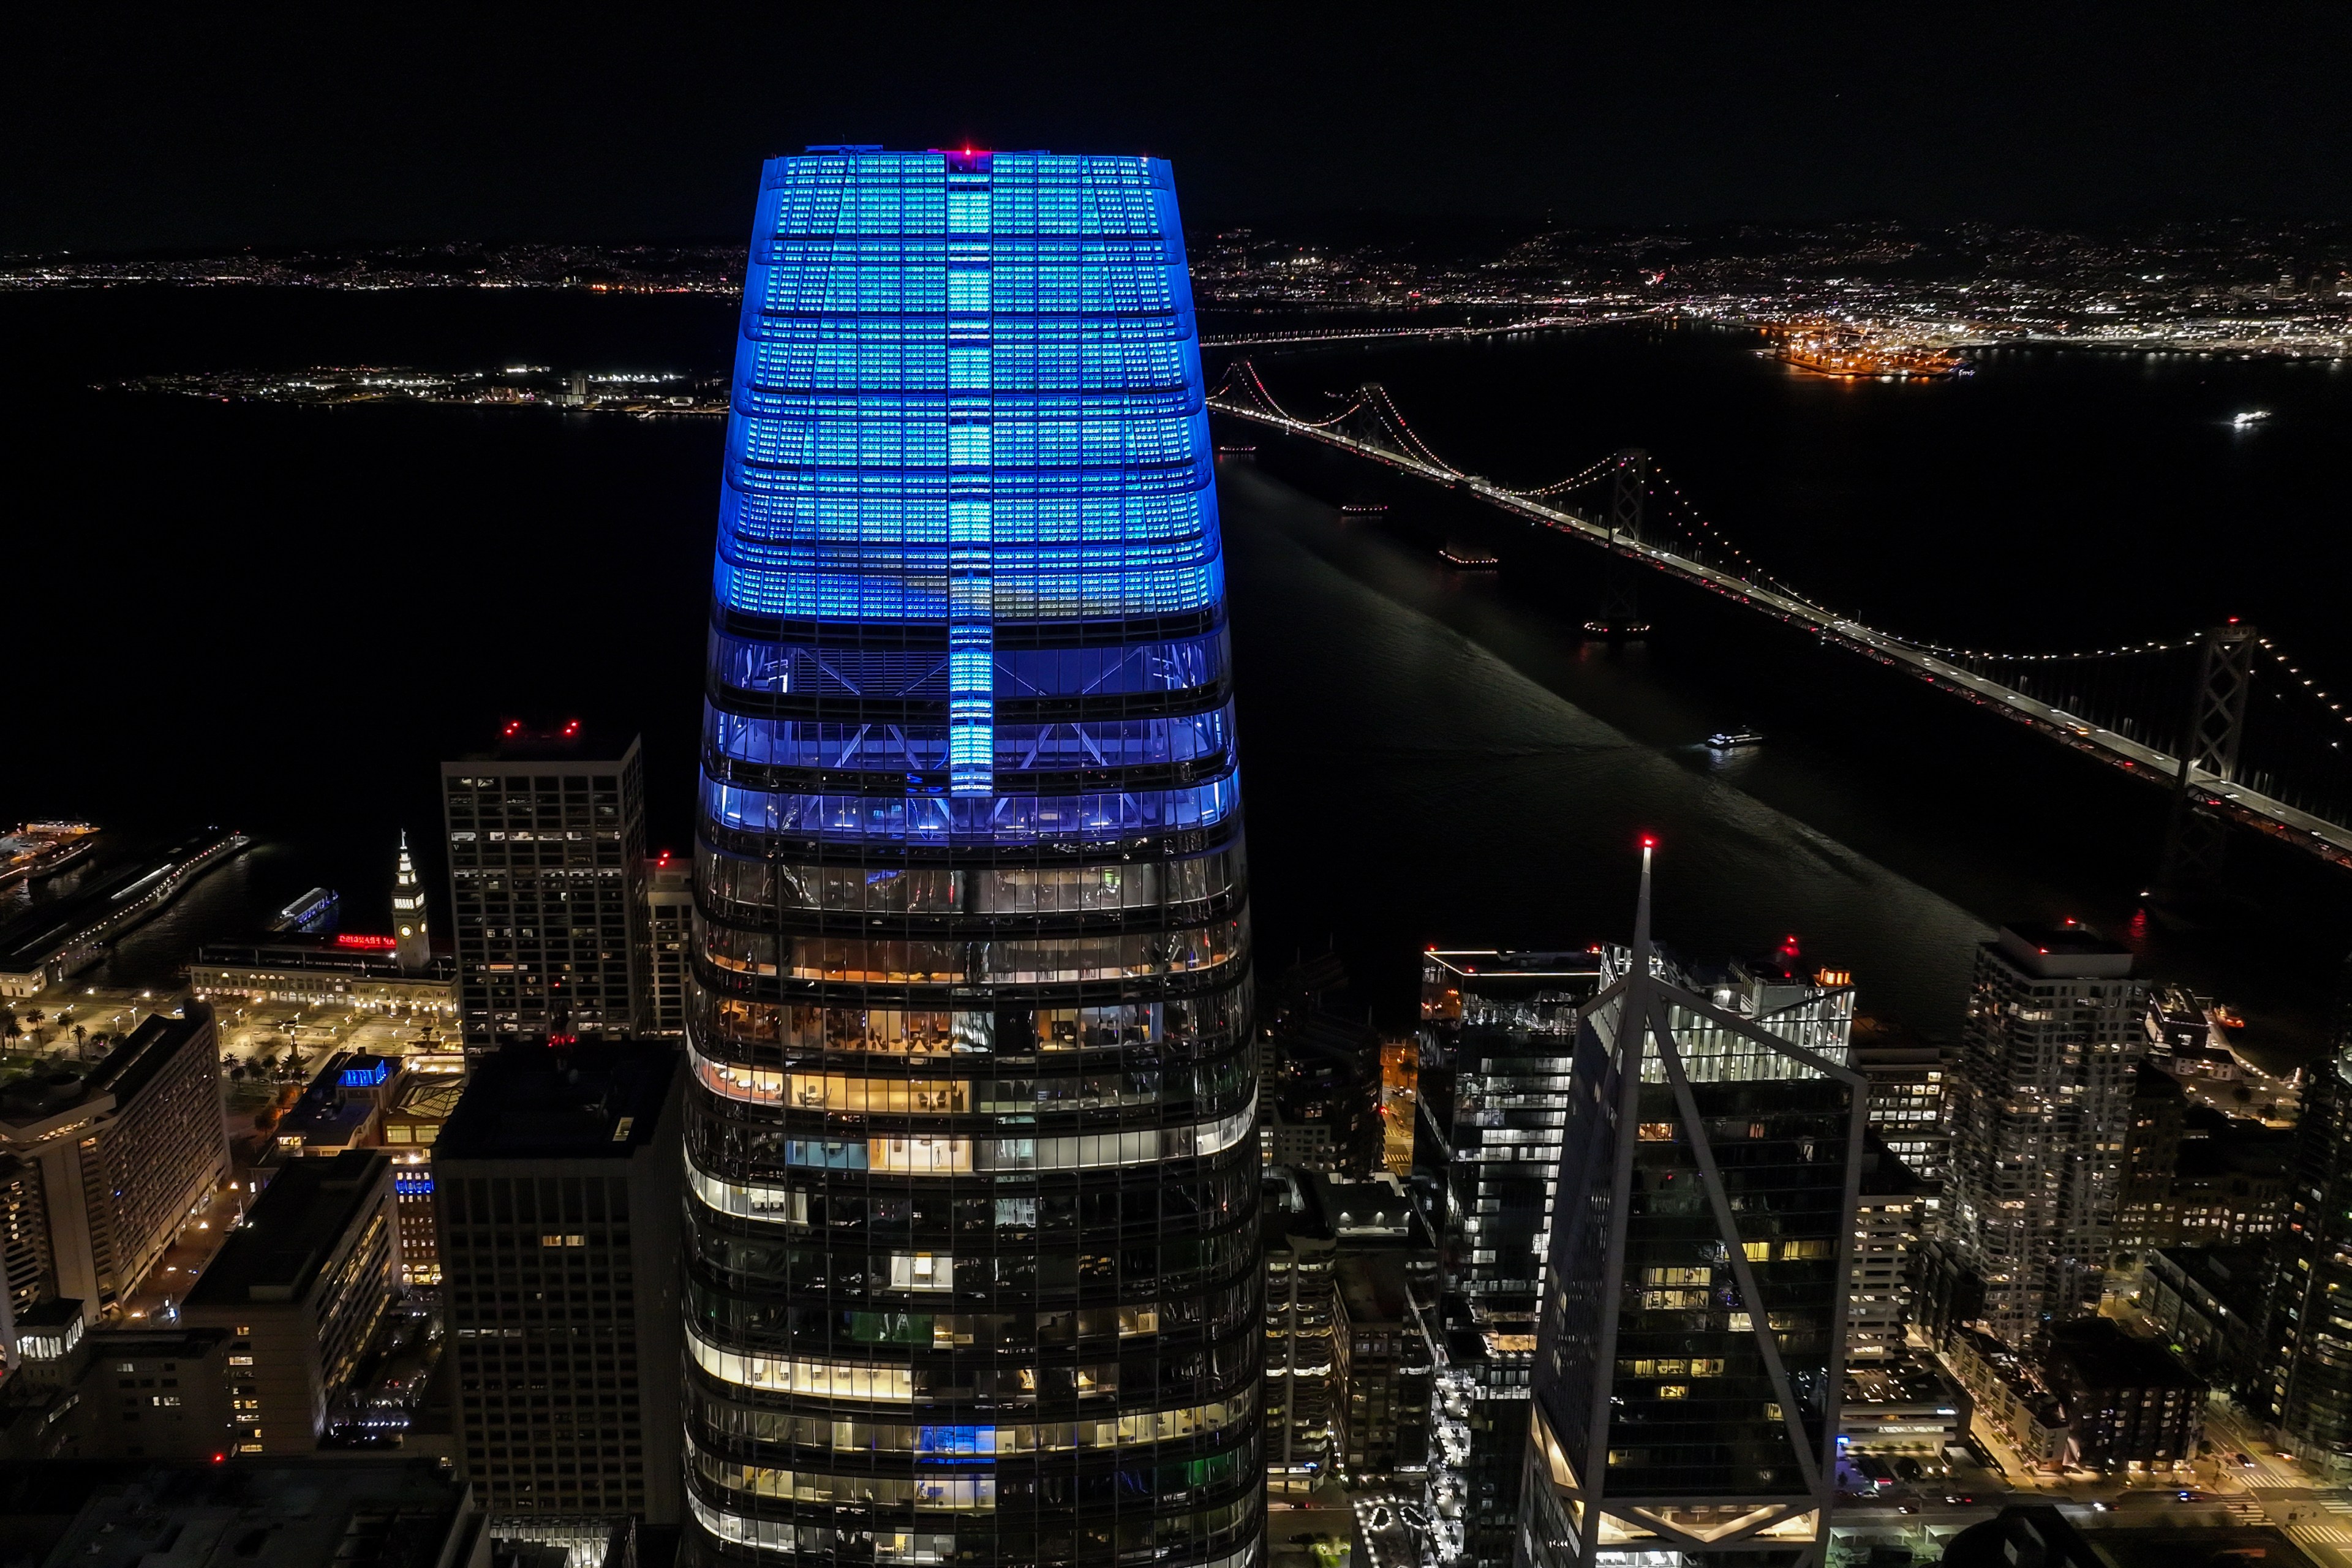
2271, 816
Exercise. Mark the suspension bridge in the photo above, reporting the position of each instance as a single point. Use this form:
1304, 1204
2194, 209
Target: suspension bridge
2236, 728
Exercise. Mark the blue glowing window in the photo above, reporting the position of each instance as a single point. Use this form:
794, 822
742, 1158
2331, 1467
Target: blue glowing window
955, 1444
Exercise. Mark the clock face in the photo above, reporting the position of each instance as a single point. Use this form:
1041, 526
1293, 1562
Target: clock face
404, 931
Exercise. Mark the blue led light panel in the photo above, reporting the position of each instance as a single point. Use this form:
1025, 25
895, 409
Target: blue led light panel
968, 387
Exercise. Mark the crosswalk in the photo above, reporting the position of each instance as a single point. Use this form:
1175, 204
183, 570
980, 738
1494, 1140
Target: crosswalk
2338, 1504
2322, 1534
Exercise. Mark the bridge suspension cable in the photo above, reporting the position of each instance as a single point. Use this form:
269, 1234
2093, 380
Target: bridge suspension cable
2287, 767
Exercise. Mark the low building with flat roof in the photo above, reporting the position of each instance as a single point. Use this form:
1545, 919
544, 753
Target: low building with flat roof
353, 1512
345, 970
301, 1284
2128, 1403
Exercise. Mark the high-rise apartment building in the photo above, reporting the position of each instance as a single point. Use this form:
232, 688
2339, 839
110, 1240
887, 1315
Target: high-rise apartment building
117, 1159
1692, 1343
975, 1255
547, 856
1496, 1034
555, 1186
2041, 1118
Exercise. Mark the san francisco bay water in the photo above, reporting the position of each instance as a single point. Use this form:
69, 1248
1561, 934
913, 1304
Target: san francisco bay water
282, 617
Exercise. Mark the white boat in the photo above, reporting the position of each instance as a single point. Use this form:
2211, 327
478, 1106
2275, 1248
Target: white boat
1726, 740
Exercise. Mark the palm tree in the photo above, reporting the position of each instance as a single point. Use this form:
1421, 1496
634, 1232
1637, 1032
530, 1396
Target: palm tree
82, 1039
10, 1030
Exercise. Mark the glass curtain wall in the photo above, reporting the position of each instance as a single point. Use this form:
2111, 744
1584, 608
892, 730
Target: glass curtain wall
974, 1269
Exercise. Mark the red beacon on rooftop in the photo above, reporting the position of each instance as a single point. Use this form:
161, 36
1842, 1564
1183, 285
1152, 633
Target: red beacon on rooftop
514, 727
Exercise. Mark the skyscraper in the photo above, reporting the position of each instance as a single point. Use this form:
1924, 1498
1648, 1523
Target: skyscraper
973, 1264
2041, 1116
2310, 1338
411, 944
547, 863
1692, 1342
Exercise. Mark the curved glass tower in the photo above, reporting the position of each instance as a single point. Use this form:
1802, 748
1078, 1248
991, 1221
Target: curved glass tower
973, 1271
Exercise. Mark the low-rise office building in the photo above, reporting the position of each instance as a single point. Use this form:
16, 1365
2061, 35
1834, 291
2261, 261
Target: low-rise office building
1909, 1405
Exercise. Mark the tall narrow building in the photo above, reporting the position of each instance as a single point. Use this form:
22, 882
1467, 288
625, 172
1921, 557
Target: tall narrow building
2041, 1118
2309, 1343
410, 942
547, 865
973, 1267
1693, 1336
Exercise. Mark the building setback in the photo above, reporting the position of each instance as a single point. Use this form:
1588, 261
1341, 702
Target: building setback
2041, 1121
119, 1157
547, 851
973, 1267
555, 1186
300, 1285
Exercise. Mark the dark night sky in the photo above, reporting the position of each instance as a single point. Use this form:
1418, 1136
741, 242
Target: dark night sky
323, 124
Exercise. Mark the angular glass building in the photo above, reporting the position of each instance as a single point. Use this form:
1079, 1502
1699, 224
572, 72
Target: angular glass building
1692, 1342
973, 1269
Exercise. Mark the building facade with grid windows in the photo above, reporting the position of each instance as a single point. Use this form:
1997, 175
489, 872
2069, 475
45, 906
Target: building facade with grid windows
974, 1267
547, 868
555, 1197
2041, 1123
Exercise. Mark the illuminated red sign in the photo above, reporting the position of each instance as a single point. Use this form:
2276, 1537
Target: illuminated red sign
353, 939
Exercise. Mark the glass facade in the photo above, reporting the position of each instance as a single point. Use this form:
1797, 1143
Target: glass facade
1692, 1339
973, 1268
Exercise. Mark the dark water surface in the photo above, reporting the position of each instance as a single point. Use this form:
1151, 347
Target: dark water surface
284, 617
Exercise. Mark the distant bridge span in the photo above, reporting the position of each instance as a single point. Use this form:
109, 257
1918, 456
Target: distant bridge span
1241, 395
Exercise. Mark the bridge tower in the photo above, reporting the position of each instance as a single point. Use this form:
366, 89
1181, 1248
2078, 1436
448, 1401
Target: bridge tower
1620, 597
2195, 837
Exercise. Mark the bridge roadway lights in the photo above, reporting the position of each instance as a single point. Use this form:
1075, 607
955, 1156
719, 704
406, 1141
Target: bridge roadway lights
1241, 395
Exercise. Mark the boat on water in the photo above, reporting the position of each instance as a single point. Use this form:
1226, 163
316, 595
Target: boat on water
1237, 451
1362, 507
1732, 739
2250, 417
1468, 558
314, 910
